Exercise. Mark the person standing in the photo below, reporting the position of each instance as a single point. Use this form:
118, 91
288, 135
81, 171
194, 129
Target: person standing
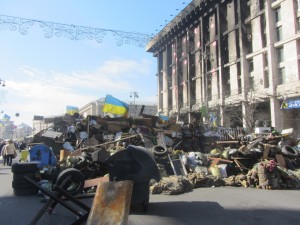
22, 146
3, 153
9, 152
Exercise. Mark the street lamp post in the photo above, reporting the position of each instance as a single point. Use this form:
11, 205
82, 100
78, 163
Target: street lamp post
2, 82
134, 95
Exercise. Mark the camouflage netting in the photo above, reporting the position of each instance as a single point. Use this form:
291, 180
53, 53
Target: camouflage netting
264, 175
175, 185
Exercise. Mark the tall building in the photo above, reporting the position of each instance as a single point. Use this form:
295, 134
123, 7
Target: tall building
236, 61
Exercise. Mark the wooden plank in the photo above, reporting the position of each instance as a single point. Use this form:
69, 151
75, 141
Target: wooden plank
111, 203
95, 181
266, 151
227, 142
240, 165
215, 161
79, 151
280, 160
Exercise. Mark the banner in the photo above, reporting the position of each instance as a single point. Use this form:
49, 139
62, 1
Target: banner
72, 109
290, 104
115, 106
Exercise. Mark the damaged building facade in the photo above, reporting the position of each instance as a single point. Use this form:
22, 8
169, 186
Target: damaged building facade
231, 58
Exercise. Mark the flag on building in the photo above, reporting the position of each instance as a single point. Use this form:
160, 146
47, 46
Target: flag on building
72, 109
115, 106
163, 118
6, 117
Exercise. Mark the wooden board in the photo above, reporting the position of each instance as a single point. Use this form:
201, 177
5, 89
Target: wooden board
95, 181
111, 203
280, 160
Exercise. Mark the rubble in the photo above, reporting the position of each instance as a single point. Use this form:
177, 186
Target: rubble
188, 156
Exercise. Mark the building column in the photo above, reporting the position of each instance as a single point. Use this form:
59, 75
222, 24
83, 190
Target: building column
276, 114
159, 84
165, 85
244, 64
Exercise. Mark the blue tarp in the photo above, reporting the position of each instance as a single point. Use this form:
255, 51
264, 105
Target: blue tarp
42, 154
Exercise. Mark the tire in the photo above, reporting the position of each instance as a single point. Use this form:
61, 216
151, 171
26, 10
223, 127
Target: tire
24, 168
75, 182
289, 151
20, 176
24, 192
22, 185
159, 150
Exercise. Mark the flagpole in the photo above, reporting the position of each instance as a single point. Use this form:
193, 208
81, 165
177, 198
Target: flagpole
134, 95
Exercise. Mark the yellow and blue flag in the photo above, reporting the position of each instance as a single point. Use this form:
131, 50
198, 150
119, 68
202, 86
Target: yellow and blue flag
6, 117
72, 109
115, 106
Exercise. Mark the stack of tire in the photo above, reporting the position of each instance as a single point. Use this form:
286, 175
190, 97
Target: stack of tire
20, 185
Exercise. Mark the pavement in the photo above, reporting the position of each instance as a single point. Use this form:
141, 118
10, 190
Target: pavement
205, 206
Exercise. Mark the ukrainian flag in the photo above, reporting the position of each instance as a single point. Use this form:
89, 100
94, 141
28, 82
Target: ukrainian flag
72, 109
115, 106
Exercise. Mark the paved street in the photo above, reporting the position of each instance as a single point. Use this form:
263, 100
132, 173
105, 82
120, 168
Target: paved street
205, 206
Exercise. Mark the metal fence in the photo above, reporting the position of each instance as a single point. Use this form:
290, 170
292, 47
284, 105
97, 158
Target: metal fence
229, 133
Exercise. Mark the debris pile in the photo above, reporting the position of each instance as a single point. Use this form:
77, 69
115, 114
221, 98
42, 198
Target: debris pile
187, 155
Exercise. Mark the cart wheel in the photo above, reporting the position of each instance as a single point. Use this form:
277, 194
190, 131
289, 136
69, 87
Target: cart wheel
72, 181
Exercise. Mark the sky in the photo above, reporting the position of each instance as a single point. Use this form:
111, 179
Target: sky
44, 75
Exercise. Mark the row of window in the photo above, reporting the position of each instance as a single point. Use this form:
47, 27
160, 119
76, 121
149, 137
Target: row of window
187, 45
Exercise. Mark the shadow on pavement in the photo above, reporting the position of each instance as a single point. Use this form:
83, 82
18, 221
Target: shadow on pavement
211, 213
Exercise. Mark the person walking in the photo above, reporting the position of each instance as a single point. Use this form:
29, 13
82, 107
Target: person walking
9, 152
4, 154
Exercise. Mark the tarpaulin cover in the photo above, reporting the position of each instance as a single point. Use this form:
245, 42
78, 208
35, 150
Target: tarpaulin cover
42, 154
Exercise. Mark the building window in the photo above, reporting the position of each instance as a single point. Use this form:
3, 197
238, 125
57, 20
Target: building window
266, 79
280, 55
251, 82
239, 78
279, 33
263, 30
298, 24
209, 88
281, 75
262, 4
251, 67
266, 71
278, 14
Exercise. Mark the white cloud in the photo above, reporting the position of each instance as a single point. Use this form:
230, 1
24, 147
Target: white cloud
46, 93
